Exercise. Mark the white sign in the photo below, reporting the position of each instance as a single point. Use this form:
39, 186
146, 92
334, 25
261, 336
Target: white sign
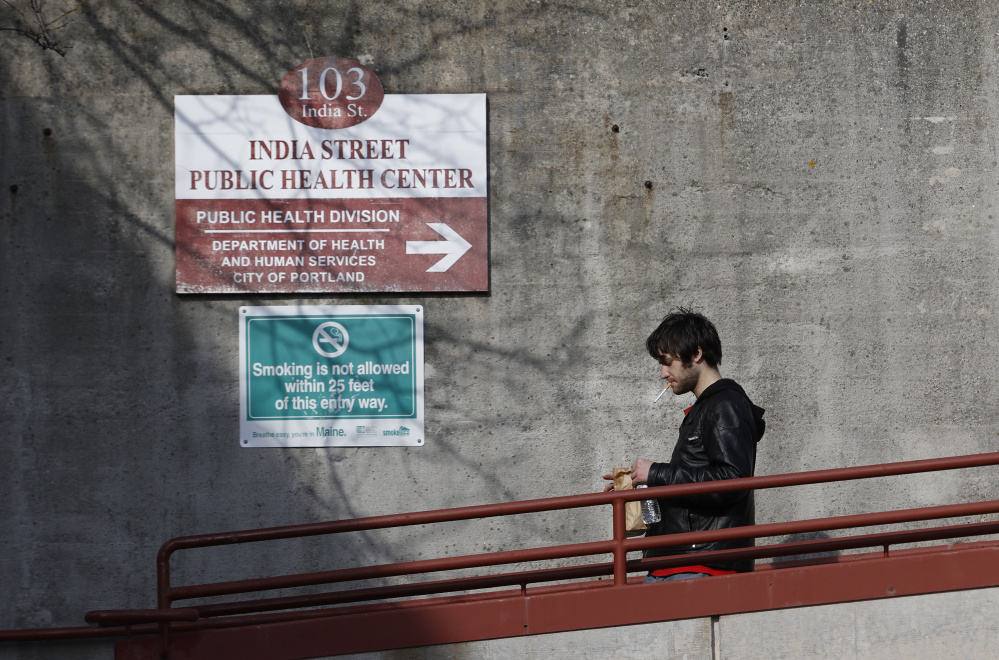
267, 204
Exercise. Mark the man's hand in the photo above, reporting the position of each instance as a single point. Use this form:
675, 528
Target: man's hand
639, 474
640, 471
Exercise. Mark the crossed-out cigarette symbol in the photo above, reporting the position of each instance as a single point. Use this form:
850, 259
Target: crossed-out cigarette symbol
333, 335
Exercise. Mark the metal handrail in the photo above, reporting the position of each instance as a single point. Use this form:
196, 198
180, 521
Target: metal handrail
582, 550
594, 570
166, 618
619, 545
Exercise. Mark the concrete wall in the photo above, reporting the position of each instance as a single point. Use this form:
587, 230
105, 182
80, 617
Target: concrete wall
817, 177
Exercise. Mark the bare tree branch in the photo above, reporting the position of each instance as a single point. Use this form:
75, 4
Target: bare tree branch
38, 29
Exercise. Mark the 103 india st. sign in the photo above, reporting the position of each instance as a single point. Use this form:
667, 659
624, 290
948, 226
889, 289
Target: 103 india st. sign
331, 376
345, 190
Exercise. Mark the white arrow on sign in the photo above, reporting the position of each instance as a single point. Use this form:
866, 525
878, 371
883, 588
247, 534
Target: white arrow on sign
453, 247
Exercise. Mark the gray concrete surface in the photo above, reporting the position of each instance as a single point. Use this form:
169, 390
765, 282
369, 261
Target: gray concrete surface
817, 177
677, 640
960, 624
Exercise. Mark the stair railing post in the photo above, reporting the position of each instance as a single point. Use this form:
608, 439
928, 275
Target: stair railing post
620, 554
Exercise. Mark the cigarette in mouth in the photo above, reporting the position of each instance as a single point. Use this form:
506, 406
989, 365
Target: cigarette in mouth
663, 392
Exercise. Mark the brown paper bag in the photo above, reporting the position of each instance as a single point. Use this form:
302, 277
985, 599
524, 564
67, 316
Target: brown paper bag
633, 523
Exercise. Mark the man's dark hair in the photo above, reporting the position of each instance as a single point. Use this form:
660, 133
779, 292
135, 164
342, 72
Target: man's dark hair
681, 333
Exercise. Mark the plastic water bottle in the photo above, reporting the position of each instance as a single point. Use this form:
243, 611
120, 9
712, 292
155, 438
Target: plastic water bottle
650, 509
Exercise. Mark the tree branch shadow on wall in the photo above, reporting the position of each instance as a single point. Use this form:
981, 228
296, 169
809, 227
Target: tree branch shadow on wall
155, 401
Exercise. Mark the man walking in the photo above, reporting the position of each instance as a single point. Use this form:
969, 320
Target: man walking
717, 440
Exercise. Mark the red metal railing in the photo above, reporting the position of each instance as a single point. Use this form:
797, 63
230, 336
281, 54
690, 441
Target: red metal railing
262, 610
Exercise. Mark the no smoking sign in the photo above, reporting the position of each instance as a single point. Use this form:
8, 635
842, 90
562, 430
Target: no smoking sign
344, 375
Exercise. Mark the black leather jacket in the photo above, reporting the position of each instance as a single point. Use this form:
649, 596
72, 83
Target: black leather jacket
717, 441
